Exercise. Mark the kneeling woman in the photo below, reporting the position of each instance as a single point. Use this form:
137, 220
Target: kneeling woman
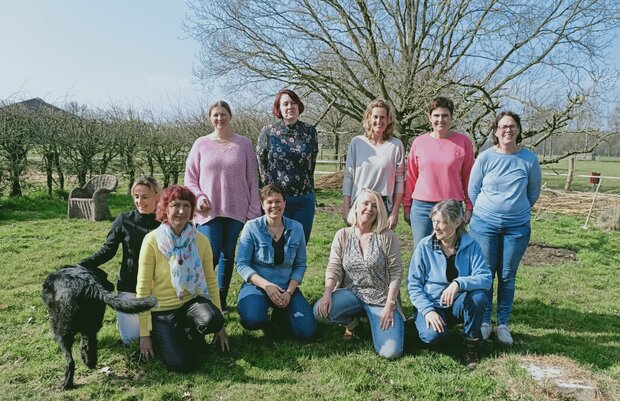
271, 259
448, 280
365, 261
176, 266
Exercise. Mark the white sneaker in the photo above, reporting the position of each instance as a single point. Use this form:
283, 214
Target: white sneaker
503, 334
486, 330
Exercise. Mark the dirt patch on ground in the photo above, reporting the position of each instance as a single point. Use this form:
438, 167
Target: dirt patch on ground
541, 254
572, 203
332, 181
516, 384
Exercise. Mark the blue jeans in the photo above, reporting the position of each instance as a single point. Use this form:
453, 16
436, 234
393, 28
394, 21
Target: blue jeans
421, 224
301, 208
223, 233
503, 249
253, 307
468, 308
128, 324
346, 306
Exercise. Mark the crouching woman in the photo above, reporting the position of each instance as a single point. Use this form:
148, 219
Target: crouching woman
176, 266
363, 277
271, 259
448, 280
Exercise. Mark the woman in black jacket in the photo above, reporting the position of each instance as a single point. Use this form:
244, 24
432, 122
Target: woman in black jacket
129, 229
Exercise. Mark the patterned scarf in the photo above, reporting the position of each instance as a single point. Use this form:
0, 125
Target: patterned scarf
186, 272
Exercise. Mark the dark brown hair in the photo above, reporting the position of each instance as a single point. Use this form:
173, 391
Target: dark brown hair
495, 125
294, 98
269, 190
172, 193
440, 102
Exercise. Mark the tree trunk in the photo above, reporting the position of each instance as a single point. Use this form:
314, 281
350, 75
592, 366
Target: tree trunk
149, 161
16, 188
48, 159
59, 172
131, 170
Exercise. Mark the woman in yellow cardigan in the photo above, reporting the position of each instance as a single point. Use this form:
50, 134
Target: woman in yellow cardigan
176, 266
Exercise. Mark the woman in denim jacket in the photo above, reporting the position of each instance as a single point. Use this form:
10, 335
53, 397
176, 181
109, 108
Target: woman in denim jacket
448, 280
271, 259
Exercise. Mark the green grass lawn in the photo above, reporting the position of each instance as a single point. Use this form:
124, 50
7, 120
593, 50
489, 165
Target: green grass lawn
571, 311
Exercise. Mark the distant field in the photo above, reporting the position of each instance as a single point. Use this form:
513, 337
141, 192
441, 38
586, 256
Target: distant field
607, 167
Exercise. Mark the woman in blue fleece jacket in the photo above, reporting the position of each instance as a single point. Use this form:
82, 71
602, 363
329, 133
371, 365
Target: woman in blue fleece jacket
448, 279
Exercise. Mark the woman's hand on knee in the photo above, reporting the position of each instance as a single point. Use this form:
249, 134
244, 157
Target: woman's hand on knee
435, 321
324, 306
386, 319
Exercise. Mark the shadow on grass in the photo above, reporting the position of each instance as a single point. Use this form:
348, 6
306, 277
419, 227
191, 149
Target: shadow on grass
35, 208
43, 207
590, 338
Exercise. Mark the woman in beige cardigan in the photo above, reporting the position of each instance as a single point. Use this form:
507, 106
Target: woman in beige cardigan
363, 277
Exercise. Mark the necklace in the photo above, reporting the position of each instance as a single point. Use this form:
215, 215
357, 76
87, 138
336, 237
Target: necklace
276, 233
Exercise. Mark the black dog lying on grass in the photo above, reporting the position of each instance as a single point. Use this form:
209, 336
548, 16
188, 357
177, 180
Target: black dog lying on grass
76, 299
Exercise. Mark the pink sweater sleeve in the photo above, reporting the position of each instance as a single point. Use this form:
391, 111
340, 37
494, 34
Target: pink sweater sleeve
410, 179
468, 163
192, 171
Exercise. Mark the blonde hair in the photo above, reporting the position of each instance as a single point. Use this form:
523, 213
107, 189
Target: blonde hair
391, 118
381, 222
146, 181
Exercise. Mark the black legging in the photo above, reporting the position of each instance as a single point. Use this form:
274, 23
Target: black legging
178, 335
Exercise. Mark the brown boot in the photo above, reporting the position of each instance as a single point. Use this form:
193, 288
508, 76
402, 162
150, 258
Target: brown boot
470, 352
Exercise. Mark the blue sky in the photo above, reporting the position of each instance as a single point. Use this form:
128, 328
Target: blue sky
101, 52
97, 52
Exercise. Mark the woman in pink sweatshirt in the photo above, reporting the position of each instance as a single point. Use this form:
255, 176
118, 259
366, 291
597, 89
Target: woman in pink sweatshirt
221, 170
438, 169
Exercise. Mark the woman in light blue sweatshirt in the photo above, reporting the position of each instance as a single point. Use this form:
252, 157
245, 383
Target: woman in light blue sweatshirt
504, 185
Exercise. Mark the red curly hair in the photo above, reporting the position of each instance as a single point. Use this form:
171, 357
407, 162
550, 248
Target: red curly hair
172, 193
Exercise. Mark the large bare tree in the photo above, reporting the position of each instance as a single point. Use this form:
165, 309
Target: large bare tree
485, 54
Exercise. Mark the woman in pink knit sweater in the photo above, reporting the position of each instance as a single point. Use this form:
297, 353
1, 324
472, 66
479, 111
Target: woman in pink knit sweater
221, 170
438, 169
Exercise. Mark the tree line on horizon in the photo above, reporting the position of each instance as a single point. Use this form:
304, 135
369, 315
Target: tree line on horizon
71, 144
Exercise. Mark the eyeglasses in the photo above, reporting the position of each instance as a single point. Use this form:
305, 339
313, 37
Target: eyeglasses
510, 127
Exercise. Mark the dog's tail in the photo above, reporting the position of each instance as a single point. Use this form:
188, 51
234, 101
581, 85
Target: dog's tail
129, 305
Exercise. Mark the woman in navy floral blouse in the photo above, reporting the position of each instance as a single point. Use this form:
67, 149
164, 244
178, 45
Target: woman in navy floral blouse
287, 151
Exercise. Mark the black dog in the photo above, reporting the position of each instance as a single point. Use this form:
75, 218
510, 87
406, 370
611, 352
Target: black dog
76, 299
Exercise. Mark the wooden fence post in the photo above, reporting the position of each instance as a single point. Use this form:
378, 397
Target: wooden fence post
569, 176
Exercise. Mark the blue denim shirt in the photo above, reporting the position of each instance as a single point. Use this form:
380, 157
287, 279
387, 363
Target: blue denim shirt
255, 252
427, 272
